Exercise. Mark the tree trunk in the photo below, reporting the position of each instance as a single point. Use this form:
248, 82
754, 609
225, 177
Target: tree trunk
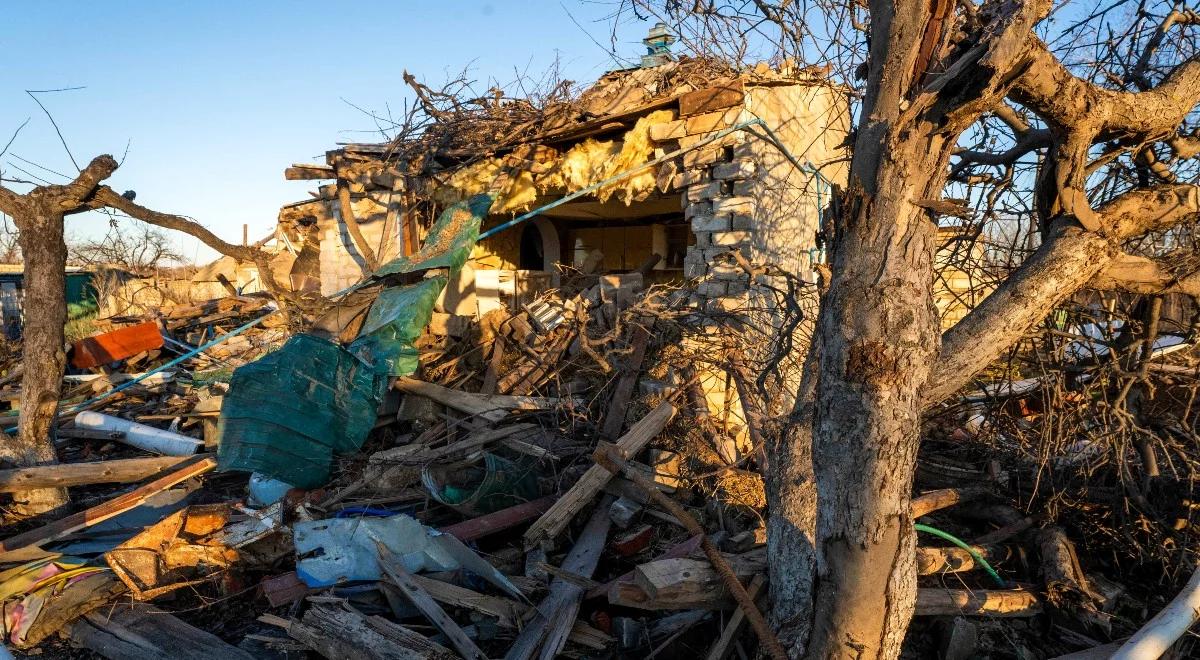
45, 253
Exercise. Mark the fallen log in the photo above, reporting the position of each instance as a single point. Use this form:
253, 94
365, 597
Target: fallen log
932, 561
983, 602
62, 475
926, 503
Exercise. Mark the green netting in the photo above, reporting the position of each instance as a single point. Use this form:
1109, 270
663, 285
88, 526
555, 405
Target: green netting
396, 319
286, 414
449, 242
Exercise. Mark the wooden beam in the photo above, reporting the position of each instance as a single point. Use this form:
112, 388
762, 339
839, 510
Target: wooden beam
737, 622
555, 617
552, 523
491, 407
420, 598
119, 471
713, 98
614, 418
308, 172
498, 521
10, 548
339, 633
143, 632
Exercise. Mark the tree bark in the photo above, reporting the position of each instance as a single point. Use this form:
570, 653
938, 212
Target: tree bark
45, 254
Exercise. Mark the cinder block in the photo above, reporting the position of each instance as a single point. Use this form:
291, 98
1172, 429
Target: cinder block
704, 239
710, 223
748, 188
731, 205
738, 169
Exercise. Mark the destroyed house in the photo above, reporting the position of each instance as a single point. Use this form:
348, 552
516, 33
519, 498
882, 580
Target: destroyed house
655, 173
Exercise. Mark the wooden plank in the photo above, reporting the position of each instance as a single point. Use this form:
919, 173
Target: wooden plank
679, 550
710, 99
498, 521
737, 622
614, 419
428, 606
62, 475
492, 375
309, 172
556, 614
491, 407
339, 633
60, 528
592, 482
144, 632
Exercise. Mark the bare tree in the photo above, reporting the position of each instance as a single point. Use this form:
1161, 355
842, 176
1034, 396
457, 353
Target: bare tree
39, 216
140, 250
1082, 136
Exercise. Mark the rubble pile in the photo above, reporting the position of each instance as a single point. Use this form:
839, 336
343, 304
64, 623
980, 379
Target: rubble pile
550, 480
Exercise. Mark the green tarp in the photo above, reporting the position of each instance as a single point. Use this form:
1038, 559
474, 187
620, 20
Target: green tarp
287, 414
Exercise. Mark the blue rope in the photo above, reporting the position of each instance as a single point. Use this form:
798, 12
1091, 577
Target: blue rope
167, 365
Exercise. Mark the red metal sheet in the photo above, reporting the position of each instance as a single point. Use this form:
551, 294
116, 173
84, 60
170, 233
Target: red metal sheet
116, 345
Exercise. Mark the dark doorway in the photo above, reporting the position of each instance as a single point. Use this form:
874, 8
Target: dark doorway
533, 255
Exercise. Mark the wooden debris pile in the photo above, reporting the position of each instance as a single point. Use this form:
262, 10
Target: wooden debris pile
564, 479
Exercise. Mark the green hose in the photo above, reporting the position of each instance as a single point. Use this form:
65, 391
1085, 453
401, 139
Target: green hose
962, 544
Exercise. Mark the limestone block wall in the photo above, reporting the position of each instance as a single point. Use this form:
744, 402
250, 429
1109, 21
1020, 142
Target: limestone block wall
743, 193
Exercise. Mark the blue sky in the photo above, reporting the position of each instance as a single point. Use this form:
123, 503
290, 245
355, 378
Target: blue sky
215, 99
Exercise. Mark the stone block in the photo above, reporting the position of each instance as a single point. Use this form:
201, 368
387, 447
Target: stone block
694, 268
739, 169
747, 188
727, 272
693, 177
741, 222
710, 121
703, 191
710, 223
671, 130
704, 239
712, 288
730, 238
731, 205
699, 208
704, 156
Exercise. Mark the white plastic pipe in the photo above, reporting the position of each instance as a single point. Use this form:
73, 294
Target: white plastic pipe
1160, 633
141, 436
